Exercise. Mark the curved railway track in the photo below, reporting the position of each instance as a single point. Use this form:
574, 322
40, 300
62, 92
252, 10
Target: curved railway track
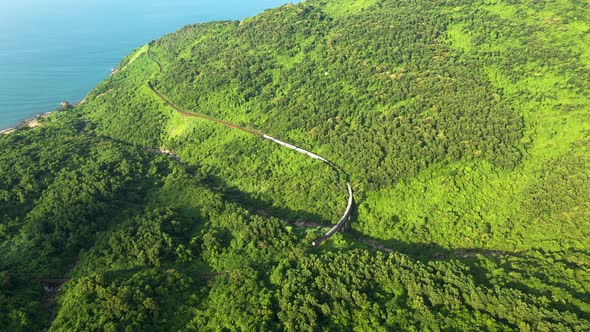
342, 222
347, 213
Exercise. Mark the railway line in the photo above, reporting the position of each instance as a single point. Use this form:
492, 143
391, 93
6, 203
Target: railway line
344, 220
342, 223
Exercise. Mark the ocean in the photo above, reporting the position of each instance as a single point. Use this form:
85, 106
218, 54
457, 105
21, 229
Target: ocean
51, 51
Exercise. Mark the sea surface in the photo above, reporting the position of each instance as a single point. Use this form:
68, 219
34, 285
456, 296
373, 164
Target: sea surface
51, 51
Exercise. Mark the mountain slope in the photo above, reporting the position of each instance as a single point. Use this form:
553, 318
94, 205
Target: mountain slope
462, 127
466, 105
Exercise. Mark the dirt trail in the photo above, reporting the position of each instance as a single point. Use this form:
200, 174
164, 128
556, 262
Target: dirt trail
203, 116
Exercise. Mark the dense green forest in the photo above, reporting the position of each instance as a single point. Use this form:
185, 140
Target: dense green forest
461, 125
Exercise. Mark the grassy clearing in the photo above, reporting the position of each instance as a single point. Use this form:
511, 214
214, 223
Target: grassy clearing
341, 8
474, 204
459, 37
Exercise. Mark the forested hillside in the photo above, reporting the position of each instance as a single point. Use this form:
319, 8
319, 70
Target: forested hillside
461, 125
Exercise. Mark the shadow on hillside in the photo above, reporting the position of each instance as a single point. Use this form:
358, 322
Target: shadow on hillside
420, 251
264, 208
482, 264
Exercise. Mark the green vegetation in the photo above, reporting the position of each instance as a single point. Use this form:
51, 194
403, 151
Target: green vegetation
462, 127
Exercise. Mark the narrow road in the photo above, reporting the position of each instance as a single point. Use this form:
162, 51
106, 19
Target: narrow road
203, 116
149, 53
345, 217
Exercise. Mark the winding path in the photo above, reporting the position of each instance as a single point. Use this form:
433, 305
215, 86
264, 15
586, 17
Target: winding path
149, 53
203, 116
341, 224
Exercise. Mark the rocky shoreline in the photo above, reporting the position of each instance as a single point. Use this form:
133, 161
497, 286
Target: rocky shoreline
34, 121
7, 131
27, 123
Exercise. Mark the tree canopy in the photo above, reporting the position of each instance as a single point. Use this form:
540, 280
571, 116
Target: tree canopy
461, 125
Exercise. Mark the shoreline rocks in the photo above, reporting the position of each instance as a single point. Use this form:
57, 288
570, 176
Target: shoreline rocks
7, 131
33, 122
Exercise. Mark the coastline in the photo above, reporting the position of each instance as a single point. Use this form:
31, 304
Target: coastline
27, 123
34, 121
7, 131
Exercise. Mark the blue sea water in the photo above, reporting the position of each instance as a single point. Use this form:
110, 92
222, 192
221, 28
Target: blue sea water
58, 50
